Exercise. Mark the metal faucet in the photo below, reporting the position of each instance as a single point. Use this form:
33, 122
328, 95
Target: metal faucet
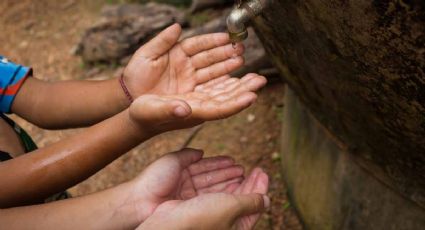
241, 15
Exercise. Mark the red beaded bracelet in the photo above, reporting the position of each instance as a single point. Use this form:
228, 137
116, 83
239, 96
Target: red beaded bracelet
124, 88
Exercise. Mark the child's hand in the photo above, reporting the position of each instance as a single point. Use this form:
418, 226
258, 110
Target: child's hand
184, 192
166, 66
216, 99
182, 175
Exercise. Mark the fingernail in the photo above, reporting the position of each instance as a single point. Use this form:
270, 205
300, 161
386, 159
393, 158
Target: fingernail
266, 200
179, 111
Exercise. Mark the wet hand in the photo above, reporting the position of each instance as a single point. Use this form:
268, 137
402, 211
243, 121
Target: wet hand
237, 207
216, 99
180, 176
165, 65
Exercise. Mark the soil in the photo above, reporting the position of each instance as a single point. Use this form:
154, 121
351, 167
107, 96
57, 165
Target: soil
43, 33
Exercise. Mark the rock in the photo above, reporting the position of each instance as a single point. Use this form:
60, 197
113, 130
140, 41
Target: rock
124, 28
250, 118
359, 68
275, 156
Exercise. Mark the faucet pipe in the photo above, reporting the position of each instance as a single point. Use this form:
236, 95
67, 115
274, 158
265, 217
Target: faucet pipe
240, 16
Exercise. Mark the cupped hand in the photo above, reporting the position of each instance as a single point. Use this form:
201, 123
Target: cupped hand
182, 175
166, 66
216, 99
238, 206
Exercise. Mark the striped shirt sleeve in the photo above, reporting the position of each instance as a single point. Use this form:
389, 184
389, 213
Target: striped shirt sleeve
12, 76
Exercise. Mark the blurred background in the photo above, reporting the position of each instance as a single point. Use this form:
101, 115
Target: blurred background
71, 39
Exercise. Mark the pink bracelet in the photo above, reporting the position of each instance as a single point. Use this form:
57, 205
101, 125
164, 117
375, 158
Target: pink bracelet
124, 88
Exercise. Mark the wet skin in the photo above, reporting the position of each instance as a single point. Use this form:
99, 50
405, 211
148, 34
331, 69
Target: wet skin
174, 96
171, 193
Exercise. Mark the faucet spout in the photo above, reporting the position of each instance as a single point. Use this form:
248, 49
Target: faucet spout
240, 16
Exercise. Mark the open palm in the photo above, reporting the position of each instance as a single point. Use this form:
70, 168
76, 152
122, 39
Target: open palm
186, 191
183, 175
216, 99
166, 66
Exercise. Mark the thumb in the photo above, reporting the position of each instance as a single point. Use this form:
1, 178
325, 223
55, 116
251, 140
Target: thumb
251, 204
187, 156
157, 110
161, 43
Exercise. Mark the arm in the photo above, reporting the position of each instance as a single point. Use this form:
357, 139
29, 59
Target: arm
65, 104
35, 176
163, 66
102, 210
200, 182
46, 171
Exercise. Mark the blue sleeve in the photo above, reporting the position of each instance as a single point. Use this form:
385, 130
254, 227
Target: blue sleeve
12, 77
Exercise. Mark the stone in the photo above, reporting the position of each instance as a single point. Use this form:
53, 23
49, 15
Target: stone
327, 186
123, 28
358, 66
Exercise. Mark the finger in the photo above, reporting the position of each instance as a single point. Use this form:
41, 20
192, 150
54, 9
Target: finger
261, 184
186, 156
248, 182
210, 83
214, 177
152, 108
219, 69
219, 88
234, 80
161, 43
218, 54
251, 204
249, 186
213, 110
194, 45
221, 187
210, 164
250, 82
187, 190
239, 87
231, 188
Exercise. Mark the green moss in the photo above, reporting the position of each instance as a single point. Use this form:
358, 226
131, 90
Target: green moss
286, 205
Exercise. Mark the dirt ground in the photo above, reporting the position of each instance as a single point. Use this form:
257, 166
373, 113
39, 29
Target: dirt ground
43, 33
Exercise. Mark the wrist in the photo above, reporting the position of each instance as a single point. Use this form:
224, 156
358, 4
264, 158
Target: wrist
127, 211
125, 89
123, 101
137, 203
135, 128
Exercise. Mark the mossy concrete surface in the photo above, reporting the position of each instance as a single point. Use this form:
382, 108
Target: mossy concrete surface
326, 185
359, 68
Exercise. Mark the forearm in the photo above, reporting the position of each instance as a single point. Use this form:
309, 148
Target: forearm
102, 210
52, 169
68, 104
